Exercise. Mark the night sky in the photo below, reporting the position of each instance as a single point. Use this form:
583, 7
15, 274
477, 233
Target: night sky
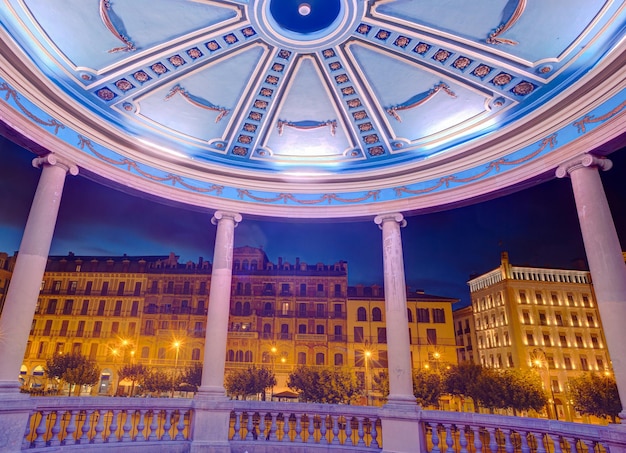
538, 227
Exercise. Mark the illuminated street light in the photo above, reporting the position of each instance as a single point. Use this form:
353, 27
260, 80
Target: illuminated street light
539, 361
367, 355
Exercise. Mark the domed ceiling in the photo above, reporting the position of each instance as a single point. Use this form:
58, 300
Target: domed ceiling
315, 108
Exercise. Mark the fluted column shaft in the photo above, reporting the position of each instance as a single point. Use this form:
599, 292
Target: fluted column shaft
604, 255
398, 341
19, 309
219, 304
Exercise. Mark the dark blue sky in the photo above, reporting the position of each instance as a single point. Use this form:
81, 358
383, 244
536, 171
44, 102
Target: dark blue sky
537, 226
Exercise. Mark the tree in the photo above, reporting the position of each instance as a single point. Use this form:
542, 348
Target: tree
75, 369
595, 394
135, 373
461, 380
158, 381
324, 385
523, 390
427, 387
191, 378
381, 380
252, 381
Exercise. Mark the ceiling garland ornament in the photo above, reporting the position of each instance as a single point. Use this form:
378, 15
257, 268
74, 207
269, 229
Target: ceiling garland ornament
328, 197
12, 94
517, 13
307, 125
197, 101
419, 99
589, 119
105, 15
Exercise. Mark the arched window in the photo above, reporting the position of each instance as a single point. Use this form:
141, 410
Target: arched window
377, 314
409, 314
248, 357
145, 352
246, 308
245, 265
239, 289
320, 358
338, 359
253, 265
267, 308
267, 331
238, 308
361, 314
239, 356
230, 356
236, 265
301, 358
265, 357
195, 354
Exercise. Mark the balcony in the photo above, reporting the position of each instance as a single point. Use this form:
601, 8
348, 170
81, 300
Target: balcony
311, 337
118, 424
242, 334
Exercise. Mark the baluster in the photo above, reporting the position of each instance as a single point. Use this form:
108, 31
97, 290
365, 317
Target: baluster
70, 429
250, 427
581, 446
180, 427
508, 444
349, 440
374, 433
154, 424
311, 438
493, 442
55, 440
449, 438
298, 428
524, 440
361, 433
478, 443
323, 439
41, 430
557, 444
141, 425
335, 421
539, 440
572, 444
434, 437
85, 427
25, 442
462, 439
167, 425
128, 425
273, 428
100, 415
113, 426
286, 427
237, 427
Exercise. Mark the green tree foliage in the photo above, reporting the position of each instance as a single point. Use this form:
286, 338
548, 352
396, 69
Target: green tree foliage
523, 390
381, 382
252, 381
157, 381
427, 387
595, 394
75, 369
136, 373
191, 378
324, 385
462, 380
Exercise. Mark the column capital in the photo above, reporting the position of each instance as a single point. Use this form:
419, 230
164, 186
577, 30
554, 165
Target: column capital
220, 215
582, 161
390, 216
52, 159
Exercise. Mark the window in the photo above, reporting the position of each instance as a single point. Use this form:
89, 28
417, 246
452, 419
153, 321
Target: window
382, 335
586, 302
68, 306
52, 307
409, 315
522, 297
584, 365
594, 342
510, 359
320, 359
246, 309
539, 298
64, 326
131, 328
359, 358
439, 315
530, 339
284, 289
526, 317
542, 319
134, 308
431, 336
71, 287
302, 328
56, 286
567, 363
120, 288
338, 359
85, 307
81, 329
423, 315
600, 363
115, 327
575, 322
383, 361
247, 357
546, 339
361, 314
118, 308
319, 329
303, 289
137, 291
88, 287
377, 314
195, 354
550, 360
302, 310
320, 310
558, 319
555, 299
101, 306
337, 290
358, 335
105, 289
562, 340
97, 328
301, 358
161, 353
579, 341
590, 321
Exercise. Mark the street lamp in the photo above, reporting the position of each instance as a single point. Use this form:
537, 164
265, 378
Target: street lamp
273, 351
436, 357
539, 361
367, 355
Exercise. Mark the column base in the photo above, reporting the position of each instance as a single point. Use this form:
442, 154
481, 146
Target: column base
15, 408
211, 423
400, 420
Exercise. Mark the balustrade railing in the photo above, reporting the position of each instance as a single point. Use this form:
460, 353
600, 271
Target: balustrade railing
481, 433
299, 424
80, 421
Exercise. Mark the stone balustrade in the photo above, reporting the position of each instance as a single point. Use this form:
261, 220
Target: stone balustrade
166, 425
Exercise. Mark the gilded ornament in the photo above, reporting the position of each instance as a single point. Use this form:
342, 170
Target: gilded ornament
441, 55
124, 85
248, 31
159, 68
255, 116
421, 48
141, 76
402, 41
354, 103
502, 79
360, 115
370, 139
365, 127
212, 46
230, 38
284, 54
382, 35
260, 104
342, 78
334, 66
363, 29
176, 60
481, 71
462, 62
105, 94
266, 92
240, 151
272, 80
328, 53
347, 91
249, 127
194, 53
376, 151
277, 67
245, 139
523, 88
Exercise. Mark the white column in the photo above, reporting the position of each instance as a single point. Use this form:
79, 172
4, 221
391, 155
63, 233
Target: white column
21, 301
219, 304
398, 342
604, 255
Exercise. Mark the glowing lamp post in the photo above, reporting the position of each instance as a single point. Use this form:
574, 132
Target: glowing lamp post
368, 355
